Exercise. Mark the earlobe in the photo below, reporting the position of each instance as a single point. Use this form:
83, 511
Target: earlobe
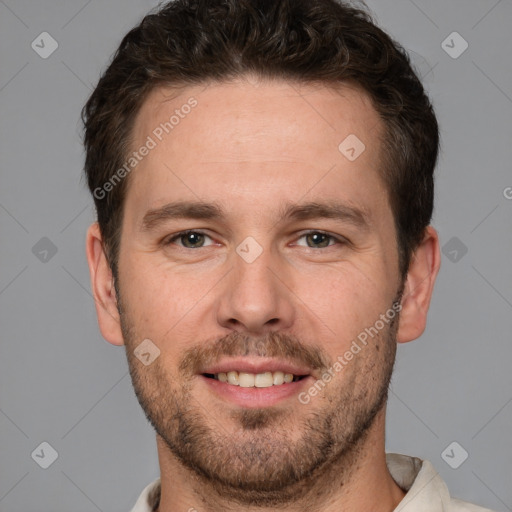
103, 287
419, 286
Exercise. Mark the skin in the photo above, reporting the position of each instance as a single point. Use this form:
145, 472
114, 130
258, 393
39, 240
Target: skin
251, 147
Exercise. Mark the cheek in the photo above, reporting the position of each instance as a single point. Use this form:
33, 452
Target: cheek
160, 301
346, 298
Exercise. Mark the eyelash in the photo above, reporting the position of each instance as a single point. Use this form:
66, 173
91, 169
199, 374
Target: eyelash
169, 241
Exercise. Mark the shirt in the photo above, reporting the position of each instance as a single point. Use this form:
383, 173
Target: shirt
425, 490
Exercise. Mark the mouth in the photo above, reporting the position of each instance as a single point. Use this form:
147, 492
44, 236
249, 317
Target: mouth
252, 383
255, 380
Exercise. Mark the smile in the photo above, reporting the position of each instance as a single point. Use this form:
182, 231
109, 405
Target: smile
257, 380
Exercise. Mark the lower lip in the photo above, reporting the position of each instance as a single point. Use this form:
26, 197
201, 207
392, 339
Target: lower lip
256, 397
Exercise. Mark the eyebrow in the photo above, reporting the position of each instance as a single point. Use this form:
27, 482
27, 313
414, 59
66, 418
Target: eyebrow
289, 212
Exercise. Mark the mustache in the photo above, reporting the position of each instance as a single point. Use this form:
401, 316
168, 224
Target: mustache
272, 345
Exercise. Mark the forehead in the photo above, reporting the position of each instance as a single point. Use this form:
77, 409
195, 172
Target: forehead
254, 141
238, 109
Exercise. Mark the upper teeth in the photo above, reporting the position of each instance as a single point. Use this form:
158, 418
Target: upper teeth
258, 380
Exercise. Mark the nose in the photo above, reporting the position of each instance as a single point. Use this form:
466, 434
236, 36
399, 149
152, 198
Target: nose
256, 296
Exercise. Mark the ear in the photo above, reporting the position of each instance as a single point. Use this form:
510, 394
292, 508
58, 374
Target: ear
102, 283
419, 285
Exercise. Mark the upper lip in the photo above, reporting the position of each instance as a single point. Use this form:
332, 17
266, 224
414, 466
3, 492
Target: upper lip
256, 366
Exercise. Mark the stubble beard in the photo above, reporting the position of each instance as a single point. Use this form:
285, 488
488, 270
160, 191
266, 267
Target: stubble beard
261, 462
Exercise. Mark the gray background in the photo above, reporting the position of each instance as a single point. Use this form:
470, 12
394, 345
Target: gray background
61, 383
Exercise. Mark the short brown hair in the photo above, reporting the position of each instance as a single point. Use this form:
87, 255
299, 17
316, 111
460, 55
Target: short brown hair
191, 42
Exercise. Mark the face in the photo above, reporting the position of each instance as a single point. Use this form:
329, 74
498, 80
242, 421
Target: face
252, 243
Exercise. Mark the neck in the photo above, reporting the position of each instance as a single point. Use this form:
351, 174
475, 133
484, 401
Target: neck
355, 481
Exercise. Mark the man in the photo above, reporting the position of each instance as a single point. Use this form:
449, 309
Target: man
263, 178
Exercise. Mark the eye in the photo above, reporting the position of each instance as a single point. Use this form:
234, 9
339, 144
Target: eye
189, 239
319, 239
193, 239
